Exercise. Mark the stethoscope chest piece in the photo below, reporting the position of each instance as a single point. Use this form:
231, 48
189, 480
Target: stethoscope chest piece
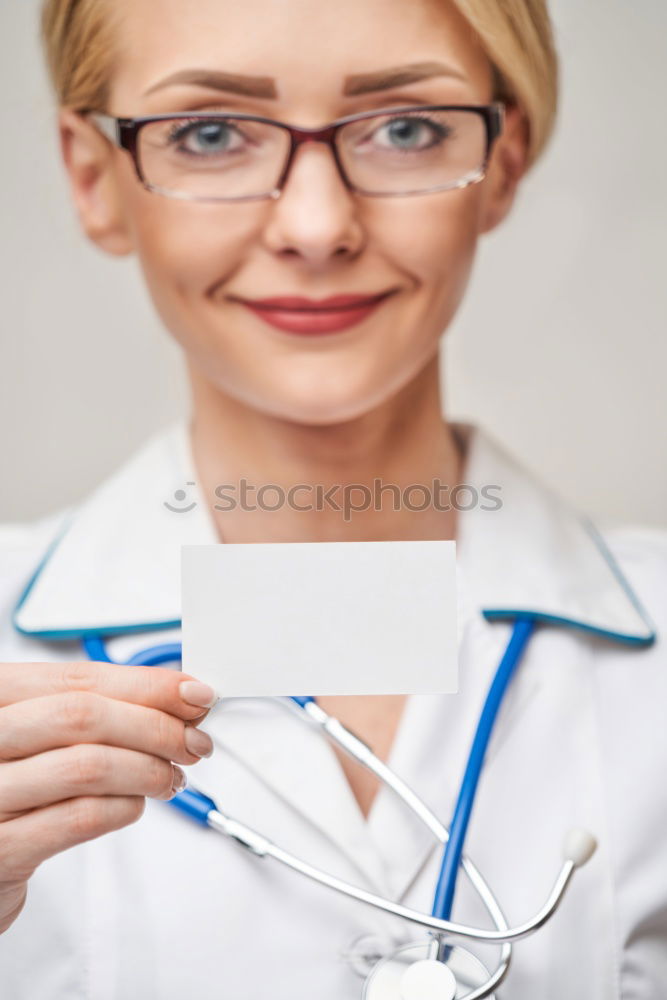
411, 973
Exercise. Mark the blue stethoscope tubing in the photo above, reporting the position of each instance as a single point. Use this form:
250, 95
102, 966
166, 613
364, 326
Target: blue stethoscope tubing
443, 900
194, 804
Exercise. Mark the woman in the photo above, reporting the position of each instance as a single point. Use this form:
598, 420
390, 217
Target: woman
241, 248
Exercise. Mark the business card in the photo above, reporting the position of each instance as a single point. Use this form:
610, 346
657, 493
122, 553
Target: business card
317, 618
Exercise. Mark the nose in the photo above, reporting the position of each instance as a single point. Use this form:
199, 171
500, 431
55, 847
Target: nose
315, 217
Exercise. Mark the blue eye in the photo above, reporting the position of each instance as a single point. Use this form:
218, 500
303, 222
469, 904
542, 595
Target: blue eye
201, 138
413, 133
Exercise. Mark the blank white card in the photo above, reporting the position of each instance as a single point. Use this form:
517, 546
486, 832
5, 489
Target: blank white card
316, 618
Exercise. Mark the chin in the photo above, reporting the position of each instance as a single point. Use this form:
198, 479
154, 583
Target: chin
323, 414
321, 409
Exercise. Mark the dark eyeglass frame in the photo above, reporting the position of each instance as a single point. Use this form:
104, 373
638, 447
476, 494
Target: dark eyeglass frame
124, 133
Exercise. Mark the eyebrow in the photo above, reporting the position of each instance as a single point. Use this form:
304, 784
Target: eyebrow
264, 86
397, 76
236, 83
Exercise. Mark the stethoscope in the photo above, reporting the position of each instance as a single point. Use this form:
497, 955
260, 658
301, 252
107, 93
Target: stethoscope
432, 968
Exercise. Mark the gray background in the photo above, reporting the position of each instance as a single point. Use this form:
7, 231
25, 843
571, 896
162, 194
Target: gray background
560, 349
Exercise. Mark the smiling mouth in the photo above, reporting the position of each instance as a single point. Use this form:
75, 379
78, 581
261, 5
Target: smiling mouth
297, 303
298, 315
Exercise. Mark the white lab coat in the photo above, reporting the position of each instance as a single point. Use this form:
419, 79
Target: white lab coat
166, 909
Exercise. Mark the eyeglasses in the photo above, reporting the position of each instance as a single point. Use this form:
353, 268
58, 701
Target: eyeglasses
213, 156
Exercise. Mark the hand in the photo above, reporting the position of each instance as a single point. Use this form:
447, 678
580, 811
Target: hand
81, 746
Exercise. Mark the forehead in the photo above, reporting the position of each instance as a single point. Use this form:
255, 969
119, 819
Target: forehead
308, 48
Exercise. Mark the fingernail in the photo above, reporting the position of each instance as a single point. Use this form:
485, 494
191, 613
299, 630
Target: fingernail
198, 742
196, 693
180, 780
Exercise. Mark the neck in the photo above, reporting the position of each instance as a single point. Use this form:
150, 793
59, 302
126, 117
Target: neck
403, 442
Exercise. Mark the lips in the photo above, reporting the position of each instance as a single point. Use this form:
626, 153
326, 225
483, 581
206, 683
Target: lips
297, 302
297, 314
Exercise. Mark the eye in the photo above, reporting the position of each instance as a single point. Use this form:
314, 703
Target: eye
411, 133
202, 138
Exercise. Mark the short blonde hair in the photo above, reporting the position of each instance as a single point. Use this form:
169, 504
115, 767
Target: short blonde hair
78, 39
79, 45
518, 39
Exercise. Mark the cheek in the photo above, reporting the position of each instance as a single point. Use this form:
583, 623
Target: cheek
432, 240
185, 250
442, 244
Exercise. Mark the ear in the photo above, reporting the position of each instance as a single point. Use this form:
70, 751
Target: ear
91, 163
507, 165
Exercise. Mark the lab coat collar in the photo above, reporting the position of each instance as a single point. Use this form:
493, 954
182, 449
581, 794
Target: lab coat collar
536, 557
114, 566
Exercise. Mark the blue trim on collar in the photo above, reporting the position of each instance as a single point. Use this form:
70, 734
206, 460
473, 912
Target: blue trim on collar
514, 614
103, 630
490, 614
75, 633
623, 583
35, 575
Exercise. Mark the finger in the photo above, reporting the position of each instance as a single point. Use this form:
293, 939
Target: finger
153, 687
60, 720
32, 838
88, 769
12, 901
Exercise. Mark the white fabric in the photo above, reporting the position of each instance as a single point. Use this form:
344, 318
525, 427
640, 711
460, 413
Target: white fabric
165, 908
569, 577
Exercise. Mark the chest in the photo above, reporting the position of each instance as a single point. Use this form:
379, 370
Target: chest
375, 719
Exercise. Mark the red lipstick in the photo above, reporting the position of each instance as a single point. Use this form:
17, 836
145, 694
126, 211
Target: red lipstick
300, 315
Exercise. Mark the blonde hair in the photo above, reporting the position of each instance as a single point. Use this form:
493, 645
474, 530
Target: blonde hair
516, 35
79, 45
518, 39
